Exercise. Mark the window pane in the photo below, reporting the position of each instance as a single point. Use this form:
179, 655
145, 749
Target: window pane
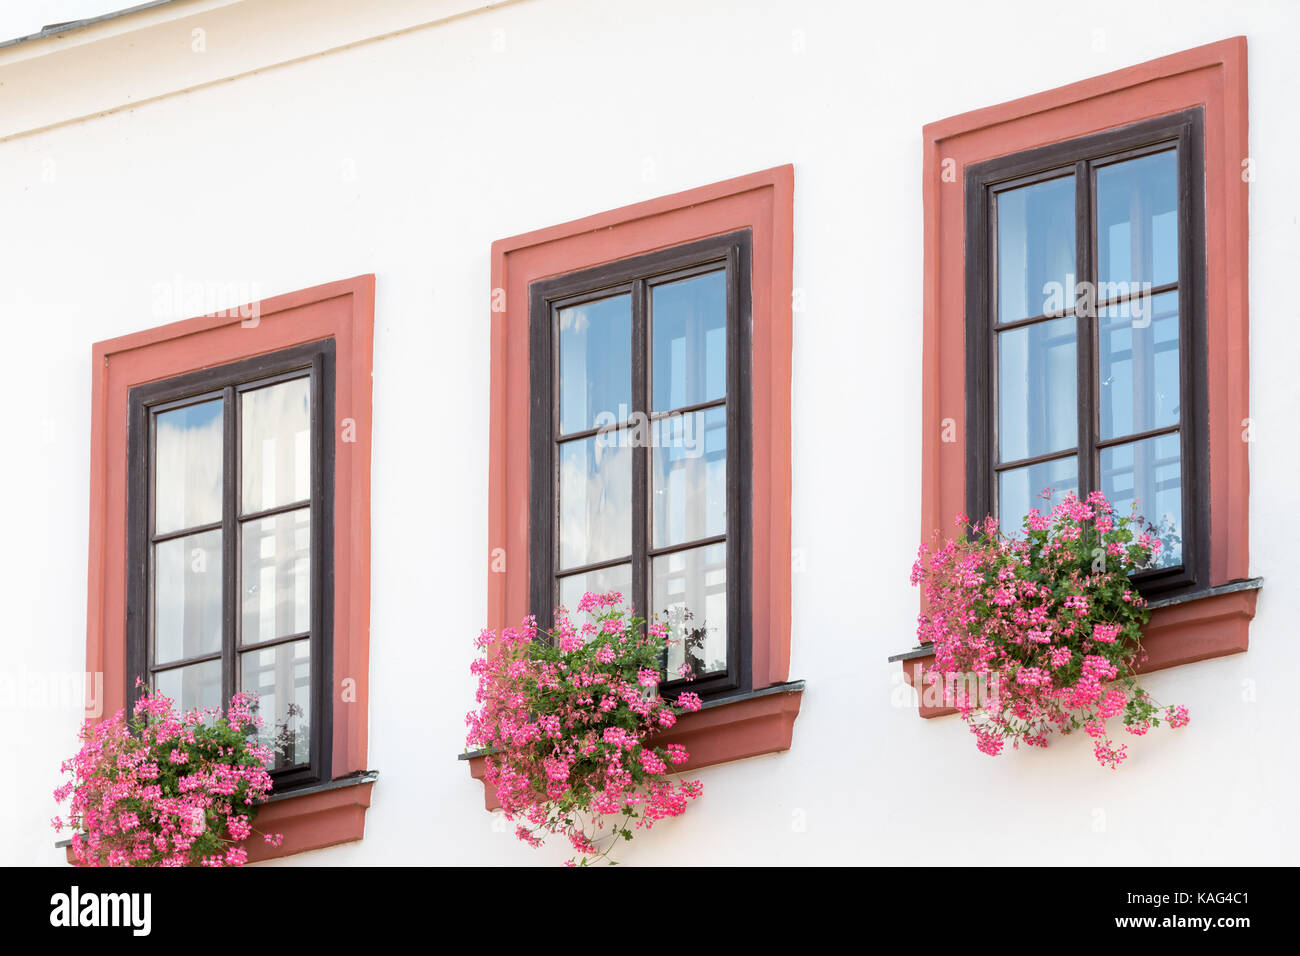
1037, 409
690, 477
1150, 472
1035, 253
187, 597
595, 499
572, 588
281, 678
688, 592
1020, 489
275, 576
187, 467
1137, 362
689, 323
595, 363
193, 687
1137, 223
276, 445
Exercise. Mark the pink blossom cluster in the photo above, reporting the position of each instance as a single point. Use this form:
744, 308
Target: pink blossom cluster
1049, 619
568, 719
166, 788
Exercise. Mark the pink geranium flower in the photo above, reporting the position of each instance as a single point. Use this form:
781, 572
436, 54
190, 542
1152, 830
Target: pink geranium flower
122, 815
1037, 632
570, 719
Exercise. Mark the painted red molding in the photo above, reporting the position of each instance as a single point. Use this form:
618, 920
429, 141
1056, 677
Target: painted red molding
1211, 76
311, 822
341, 310
744, 728
1198, 630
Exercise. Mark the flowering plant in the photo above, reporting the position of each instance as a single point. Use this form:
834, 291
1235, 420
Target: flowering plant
1041, 631
569, 720
166, 789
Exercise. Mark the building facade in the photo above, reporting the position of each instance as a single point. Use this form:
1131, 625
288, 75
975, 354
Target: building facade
273, 273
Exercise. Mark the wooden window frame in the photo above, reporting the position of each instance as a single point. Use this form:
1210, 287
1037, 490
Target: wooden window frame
333, 811
638, 276
1213, 620
1081, 158
227, 382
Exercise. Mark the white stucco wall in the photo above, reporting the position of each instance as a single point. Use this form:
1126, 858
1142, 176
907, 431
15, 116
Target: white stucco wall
406, 156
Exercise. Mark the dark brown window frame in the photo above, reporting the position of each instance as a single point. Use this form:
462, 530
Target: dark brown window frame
226, 382
1081, 157
637, 275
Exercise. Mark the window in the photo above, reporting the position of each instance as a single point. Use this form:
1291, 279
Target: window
159, 489
1086, 363
640, 441
1190, 108
726, 527
230, 550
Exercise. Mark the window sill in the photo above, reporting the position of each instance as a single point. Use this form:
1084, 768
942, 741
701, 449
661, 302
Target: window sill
1183, 629
309, 818
732, 728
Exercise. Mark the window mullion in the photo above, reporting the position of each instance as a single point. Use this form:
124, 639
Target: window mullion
642, 404
1086, 328
229, 543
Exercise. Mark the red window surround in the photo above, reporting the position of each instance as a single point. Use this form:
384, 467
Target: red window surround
1212, 76
343, 311
764, 203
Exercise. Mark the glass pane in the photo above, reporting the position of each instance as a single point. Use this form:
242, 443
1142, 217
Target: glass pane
1035, 253
595, 363
281, 678
689, 328
187, 597
617, 578
193, 687
1137, 361
187, 467
595, 499
1020, 489
1149, 472
1137, 224
277, 445
690, 477
275, 576
688, 592
1037, 409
